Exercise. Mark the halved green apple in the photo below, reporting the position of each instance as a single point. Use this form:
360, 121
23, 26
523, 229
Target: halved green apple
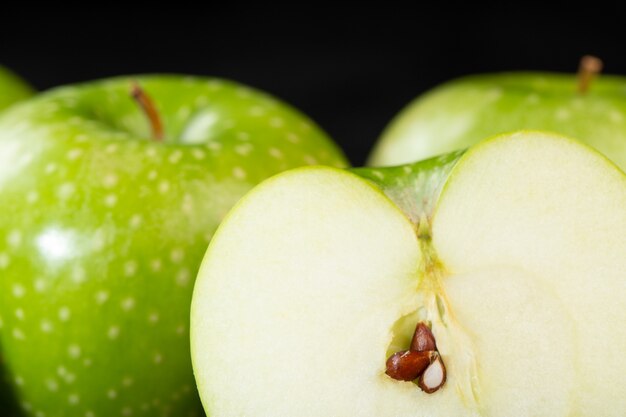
513, 253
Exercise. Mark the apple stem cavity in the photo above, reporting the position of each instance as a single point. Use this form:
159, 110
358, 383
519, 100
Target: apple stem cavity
148, 107
589, 67
422, 362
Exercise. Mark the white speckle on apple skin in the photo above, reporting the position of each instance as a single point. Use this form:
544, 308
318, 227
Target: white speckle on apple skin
135, 221
310, 160
277, 122
18, 290
74, 154
40, 285
239, 173
214, 146
128, 304
562, 114
616, 117
52, 385
257, 111
109, 180
73, 399
183, 277
102, 296
175, 157
32, 197
177, 255
66, 190
18, 334
74, 351
14, 238
4, 260
156, 265
164, 187
153, 318
275, 153
198, 154
46, 326
50, 168
130, 268
244, 149
64, 314
113, 332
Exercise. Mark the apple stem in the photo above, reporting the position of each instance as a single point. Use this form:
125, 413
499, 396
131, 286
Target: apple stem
589, 67
147, 106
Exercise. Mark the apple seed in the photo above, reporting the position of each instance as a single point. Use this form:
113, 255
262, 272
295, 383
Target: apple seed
434, 376
423, 339
408, 365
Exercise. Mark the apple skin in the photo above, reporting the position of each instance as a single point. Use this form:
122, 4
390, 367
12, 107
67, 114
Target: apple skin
103, 231
460, 113
12, 88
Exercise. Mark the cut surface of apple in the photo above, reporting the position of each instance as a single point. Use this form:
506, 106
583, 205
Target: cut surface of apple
514, 253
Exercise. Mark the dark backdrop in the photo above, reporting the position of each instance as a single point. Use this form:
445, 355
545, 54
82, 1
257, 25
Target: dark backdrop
350, 71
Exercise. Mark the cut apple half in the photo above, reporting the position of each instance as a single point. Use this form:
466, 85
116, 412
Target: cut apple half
513, 254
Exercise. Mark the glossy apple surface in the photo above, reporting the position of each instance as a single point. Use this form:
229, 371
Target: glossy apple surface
460, 113
103, 230
12, 88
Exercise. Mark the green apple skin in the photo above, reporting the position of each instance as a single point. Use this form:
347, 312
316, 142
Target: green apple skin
103, 230
12, 88
459, 114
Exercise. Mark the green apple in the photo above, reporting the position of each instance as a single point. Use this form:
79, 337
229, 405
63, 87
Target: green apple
12, 88
460, 113
510, 257
103, 229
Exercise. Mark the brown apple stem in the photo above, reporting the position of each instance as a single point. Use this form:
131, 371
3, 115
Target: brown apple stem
589, 67
147, 106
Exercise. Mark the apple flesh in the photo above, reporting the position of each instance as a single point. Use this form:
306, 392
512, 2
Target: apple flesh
513, 253
12, 88
103, 230
463, 112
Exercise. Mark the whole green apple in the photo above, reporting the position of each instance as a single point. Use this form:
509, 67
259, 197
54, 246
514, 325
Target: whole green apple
104, 226
460, 113
489, 283
12, 88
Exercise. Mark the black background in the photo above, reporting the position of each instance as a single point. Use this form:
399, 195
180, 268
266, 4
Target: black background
350, 71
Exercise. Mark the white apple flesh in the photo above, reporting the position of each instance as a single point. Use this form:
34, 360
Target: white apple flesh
517, 261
